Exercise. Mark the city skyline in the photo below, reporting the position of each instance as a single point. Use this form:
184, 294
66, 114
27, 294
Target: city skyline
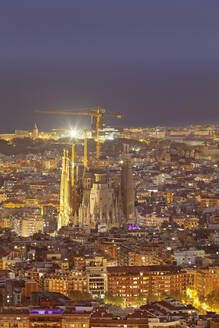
109, 164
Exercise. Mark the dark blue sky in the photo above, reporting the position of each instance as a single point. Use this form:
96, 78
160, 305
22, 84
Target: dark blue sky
156, 61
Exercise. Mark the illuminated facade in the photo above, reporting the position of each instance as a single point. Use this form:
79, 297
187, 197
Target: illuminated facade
97, 284
207, 280
131, 281
105, 200
56, 318
35, 132
66, 283
28, 225
101, 201
65, 193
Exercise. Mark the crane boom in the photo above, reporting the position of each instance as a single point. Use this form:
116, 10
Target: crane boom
67, 113
99, 114
80, 113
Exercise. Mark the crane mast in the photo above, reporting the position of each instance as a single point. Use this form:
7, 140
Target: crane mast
99, 113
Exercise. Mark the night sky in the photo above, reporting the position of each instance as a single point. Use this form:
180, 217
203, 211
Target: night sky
156, 61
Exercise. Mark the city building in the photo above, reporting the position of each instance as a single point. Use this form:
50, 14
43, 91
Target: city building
67, 282
43, 317
131, 281
104, 319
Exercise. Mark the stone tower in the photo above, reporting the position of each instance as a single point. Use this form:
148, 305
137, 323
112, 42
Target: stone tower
128, 190
35, 132
101, 201
65, 193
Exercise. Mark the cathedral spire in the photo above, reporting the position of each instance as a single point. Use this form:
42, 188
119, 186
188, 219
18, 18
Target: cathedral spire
35, 132
127, 190
65, 193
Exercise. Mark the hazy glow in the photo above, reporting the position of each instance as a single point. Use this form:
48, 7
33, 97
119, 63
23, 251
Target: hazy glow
73, 133
194, 299
107, 137
110, 137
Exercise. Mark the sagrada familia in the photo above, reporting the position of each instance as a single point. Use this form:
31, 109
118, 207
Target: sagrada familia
101, 198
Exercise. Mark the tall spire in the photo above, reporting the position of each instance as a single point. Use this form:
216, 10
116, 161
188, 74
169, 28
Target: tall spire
68, 206
65, 193
35, 132
62, 186
128, 190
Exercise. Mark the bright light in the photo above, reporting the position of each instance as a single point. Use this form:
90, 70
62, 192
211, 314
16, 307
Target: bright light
110, 137
73, 133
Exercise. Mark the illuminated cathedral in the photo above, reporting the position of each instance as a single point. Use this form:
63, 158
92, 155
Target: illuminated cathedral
103, 198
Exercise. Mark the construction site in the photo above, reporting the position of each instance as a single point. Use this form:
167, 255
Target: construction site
90, 193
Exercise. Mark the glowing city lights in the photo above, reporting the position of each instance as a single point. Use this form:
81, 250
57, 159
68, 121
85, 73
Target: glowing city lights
73, 133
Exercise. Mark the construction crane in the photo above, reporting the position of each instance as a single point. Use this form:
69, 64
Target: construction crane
97, 112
